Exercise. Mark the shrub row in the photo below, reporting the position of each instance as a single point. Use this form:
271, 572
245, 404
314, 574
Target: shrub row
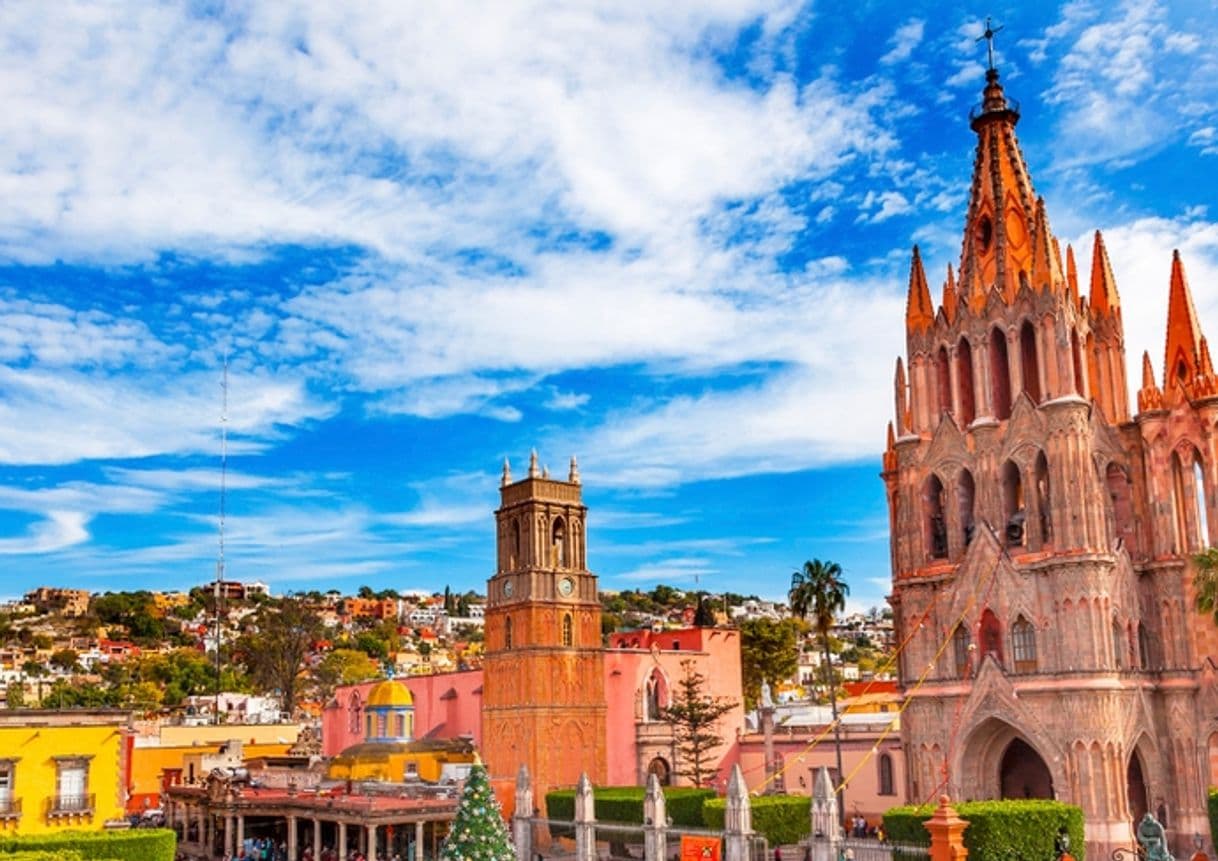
782, 819
1212, 807
625, 804
141, 844
1008, 830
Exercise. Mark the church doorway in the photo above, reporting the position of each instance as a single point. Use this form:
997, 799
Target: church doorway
1135, 788
1022, 773
659, 767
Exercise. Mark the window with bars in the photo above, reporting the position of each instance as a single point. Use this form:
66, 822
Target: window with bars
568, 633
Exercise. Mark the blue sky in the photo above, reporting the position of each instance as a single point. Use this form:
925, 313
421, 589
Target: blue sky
672, 239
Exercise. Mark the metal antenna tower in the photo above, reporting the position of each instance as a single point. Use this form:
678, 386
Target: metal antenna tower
219, 587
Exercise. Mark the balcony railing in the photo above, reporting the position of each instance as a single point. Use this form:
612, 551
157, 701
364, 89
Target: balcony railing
10, 808
71, 805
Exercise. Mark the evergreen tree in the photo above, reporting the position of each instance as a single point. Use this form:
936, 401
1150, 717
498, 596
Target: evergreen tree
478, 833
694, 715
704, 616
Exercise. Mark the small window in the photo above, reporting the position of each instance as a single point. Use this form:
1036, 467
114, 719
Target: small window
886, 782
507, 632
1023, 644
568, 636
676, 645
7, 768
961, 642
72, 785
1118, 645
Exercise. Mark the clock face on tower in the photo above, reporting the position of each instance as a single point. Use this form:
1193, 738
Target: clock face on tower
566, 587
508, 588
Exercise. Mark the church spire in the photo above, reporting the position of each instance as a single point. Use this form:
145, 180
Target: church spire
1046, 270
998, 229
1150, 397
1072, 278
919, 312
1104, 296
1182, 354
950, 297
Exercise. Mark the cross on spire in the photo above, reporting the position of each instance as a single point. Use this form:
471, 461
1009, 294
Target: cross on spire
988, 35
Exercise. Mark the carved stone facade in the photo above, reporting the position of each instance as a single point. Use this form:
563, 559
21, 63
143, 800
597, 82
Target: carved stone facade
543, 699
1041, 537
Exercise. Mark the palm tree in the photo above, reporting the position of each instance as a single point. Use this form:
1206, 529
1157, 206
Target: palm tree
818, 591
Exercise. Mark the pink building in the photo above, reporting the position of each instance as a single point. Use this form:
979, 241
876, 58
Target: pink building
641, 670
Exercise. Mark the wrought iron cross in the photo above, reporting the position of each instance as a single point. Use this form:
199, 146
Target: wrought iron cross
988, 35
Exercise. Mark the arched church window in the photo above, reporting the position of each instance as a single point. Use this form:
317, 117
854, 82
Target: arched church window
1000, 375
653, 697
567, 630
1203, 518
1076, 355
558, 542
507, 632
514, 543
1118, 646
964, 379
936, 524
887, 786
1185, 506
1043, 499
1014, 514
355, 710
1143, 647
960, 646
991, 636
1117, 482
1029, 361
1023, 645
943, 381
966, 493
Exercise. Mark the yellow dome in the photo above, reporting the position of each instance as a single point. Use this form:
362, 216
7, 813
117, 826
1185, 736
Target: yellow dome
389, 693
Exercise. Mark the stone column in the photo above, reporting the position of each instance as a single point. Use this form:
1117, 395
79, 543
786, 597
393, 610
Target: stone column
522, 821
229, 834
585, 820
767, 729
418, 842
738, 818
209, 843
316, 837
826, 833
946, 833
240, 832
342, 841
655, 822
293, 855
371, 851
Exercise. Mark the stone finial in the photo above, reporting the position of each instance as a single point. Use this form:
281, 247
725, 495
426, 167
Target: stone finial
825, 817
573, 475
524, 784
919, 311
584, 809
507, 474
738, 816
545, 472
533, 471
655, 810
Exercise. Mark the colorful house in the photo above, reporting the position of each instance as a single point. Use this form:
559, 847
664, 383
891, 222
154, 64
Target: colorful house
63, 770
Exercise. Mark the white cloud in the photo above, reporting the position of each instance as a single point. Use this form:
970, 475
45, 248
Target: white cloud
907, 37
60, 529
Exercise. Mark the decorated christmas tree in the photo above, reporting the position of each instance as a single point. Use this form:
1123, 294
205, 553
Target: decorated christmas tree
478, 833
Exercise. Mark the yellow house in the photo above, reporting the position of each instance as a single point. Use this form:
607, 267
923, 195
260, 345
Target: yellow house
62, 770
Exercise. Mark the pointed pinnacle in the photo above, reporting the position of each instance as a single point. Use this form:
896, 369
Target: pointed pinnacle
951, 298
1148, 372
919, 312
1104, 297
1072, 277
1183, 330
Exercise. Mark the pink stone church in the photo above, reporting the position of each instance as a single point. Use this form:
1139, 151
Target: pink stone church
1042, 534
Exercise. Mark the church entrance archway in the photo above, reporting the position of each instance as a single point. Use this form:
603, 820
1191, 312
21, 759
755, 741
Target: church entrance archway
997, 760
660, 768
1022, 773
1135, 788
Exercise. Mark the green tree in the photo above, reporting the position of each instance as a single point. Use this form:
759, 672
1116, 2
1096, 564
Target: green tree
478, 832
769, 651
1205, 581
341, 667
14, 695
274, 653
704, 616
65, 659
694, 715
818, 591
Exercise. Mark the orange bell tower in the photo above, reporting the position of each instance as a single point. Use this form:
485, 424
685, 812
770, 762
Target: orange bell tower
543, 694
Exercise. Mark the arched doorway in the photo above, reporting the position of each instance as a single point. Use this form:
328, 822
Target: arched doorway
660, 768
1135, 788
1022, 773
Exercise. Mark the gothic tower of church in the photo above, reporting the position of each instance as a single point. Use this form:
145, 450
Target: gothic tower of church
1040, 535
543, 696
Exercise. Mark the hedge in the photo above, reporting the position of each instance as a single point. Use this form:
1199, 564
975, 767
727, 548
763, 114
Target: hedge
139, 844
625, 804
1008, 830
1212, 808
783, 819
39, 855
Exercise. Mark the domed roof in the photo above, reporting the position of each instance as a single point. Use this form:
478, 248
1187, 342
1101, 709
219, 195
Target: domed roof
389, 693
